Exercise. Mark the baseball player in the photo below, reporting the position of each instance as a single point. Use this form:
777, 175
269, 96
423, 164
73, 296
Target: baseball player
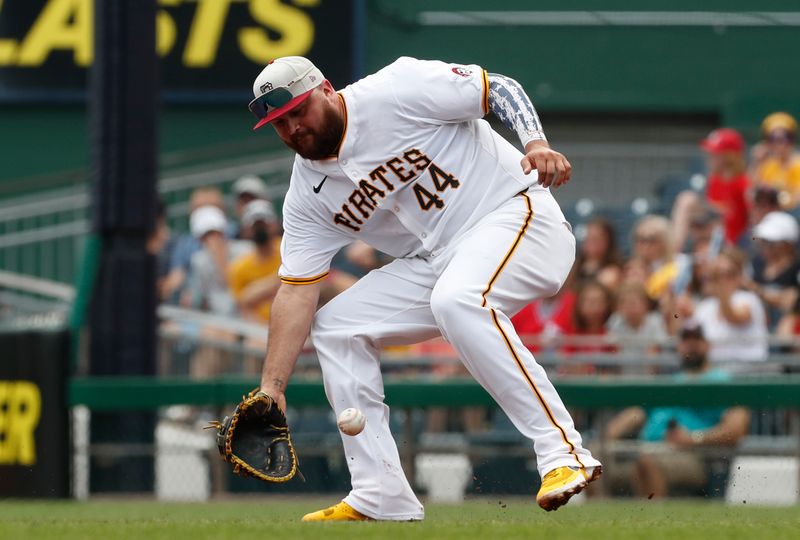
403, 161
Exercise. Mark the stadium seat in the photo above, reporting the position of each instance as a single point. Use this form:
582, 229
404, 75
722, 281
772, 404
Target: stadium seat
672, 185
578, 214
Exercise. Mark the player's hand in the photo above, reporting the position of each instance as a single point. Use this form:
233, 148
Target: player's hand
277, 396
554, 169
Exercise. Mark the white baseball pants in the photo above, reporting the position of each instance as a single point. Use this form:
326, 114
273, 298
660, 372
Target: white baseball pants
522, 251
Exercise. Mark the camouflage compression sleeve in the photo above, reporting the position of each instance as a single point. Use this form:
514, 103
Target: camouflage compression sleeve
509, 102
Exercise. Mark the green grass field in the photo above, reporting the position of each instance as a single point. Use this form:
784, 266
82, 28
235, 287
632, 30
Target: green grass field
484, 519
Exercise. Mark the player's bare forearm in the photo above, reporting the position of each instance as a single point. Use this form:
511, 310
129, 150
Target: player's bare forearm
290, 321
259, 291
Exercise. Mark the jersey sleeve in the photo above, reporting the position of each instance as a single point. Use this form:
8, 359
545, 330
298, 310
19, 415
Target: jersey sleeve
308, 245
440, 92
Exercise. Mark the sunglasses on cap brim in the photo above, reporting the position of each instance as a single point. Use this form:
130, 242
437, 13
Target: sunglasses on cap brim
274, 99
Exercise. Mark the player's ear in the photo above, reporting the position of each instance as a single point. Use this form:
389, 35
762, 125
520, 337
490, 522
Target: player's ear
327, 88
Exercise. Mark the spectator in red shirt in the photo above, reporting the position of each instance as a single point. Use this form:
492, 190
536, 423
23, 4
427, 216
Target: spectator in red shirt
542, 321
727, 188
727, 180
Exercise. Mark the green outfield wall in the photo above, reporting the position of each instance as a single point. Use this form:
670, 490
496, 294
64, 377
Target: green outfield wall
735, 60
145, 393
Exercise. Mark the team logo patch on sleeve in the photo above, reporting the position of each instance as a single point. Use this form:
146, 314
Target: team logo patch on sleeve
464, 72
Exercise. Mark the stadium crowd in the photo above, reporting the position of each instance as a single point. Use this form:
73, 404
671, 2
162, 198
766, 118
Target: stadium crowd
726, 258
713, 283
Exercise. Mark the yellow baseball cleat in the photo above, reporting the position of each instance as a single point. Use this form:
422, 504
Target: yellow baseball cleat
337, 512
560, 484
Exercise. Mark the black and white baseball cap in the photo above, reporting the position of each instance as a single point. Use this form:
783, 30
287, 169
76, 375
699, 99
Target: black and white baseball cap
283, 85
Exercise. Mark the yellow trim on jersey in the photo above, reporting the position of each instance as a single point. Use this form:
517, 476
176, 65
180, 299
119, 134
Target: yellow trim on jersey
539, 397
510, 252
344, 131
335, 153
303, 281
485, 92
514, 354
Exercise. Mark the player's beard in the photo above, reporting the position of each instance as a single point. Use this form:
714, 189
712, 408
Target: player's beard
322, 142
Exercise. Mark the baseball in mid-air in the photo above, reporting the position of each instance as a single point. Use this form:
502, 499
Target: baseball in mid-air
351, 421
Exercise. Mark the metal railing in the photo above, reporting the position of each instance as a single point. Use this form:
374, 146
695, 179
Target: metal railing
44, 235
186, 331
612, 174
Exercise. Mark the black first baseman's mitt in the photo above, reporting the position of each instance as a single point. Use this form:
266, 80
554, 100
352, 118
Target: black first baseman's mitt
255, 440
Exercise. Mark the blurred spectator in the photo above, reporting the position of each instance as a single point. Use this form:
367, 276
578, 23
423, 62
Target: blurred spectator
161, 243
726, 191
774, 160
703, 222
246, 189
594, 305
672, 459
728, 183
253, 277
654, 256
765, 200
733, 320
689, 287
789, 329
358, 259
776, 270
636, 329
599, 258
540, 322
208, 282
635, 270
348, 266
186, 245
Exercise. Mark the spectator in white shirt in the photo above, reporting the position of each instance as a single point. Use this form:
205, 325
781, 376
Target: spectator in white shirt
208, 282
733, 320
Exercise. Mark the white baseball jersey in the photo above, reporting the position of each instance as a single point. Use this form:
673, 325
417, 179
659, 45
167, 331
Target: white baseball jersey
420, 176
411, 173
